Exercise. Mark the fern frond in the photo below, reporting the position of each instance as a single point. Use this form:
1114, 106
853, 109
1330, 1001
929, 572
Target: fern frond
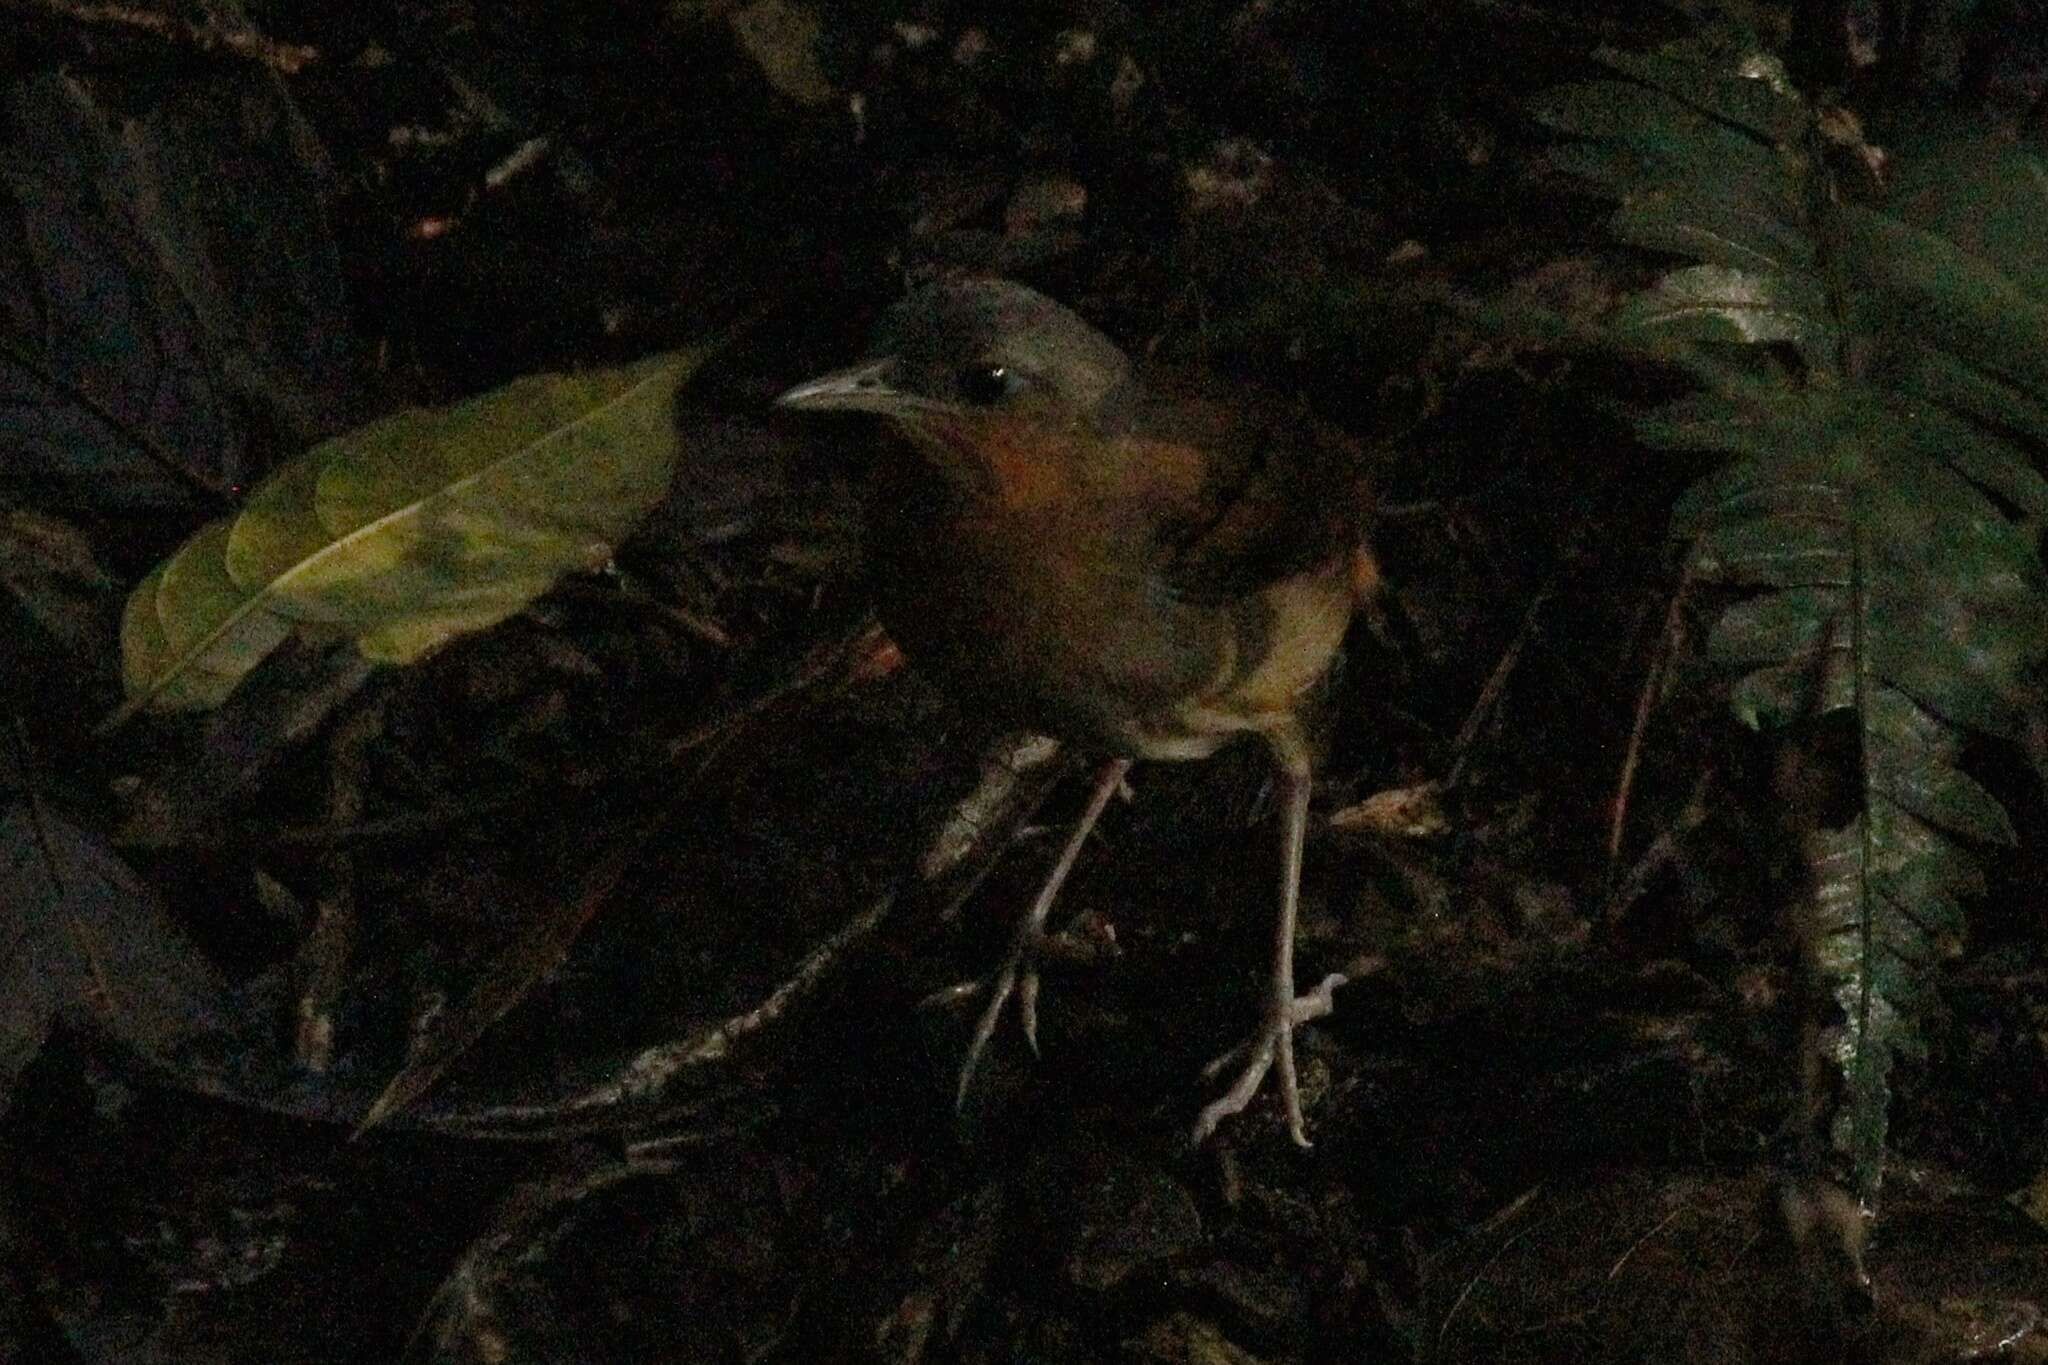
1880, 499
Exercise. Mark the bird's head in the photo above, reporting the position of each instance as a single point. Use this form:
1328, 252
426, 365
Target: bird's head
970, 369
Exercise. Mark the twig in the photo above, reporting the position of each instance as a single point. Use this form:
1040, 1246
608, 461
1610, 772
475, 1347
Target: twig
1498, 1220
1667, 645
285, 58
1489, 695
1662, 850
1644, 1240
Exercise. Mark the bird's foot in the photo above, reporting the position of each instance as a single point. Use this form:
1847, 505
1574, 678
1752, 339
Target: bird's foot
1082, 945
1019, 973
1018, 976
1272, 1044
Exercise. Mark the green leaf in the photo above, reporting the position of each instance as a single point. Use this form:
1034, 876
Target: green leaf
1953, 655
411, 531
83, 938
1885, 498
1777, 695
1618, 111
1773, 627
1922, 289
189, 633
1765, 479
1717, 222
1969, 393
1980, 189
1912, 767
1787, 550
1750, 91
1873, 958
782, 37
1715, 303
1641, 158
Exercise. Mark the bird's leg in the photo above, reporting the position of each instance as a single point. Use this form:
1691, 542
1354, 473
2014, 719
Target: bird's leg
1274, 1041
1019, 973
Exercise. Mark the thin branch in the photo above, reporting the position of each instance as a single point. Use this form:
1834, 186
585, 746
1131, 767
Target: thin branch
1662, 850
285, 58
1667, 645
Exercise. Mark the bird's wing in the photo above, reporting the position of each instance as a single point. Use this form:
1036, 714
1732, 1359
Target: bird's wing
1283, 493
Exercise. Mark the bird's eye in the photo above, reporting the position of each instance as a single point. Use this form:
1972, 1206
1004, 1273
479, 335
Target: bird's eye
987, 383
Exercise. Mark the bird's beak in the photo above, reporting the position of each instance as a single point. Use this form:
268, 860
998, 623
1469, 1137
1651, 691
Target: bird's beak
863, 388
932, 425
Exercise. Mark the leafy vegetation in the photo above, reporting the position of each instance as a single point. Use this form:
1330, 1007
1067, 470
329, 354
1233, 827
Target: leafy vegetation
1868, 333
418, 528
641, 913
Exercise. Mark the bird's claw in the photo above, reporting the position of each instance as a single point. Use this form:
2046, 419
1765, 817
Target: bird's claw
1272, 1044
1027, 1007
1019, 977
947, 996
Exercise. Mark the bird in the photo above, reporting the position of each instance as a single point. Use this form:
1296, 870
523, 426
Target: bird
1146, 561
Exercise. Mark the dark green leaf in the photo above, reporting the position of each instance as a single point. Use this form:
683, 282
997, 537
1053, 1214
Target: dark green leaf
1719, 223
1849, 952
1784, 550
1672, 146
1982, 190
1786, 624
1777, 695
1989, 403
1928, 291
1923, 779
81, 938
1619, 111
1717, 304
1887, 494
1752, 91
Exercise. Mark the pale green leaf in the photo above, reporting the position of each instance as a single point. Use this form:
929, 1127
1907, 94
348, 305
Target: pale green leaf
1720, 303
413, 530
188, 634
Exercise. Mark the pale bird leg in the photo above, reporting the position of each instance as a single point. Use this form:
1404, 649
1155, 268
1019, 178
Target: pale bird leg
1274, 1041
1019, 972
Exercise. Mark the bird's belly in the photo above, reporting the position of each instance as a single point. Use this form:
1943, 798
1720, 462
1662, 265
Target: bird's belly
1287, 638
1104, 659
1086, 659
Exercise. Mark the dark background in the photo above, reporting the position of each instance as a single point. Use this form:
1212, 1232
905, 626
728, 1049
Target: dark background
1550, 1107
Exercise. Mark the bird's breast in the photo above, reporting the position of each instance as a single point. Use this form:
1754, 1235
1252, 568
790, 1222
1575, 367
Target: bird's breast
1063, 628
1072, 630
